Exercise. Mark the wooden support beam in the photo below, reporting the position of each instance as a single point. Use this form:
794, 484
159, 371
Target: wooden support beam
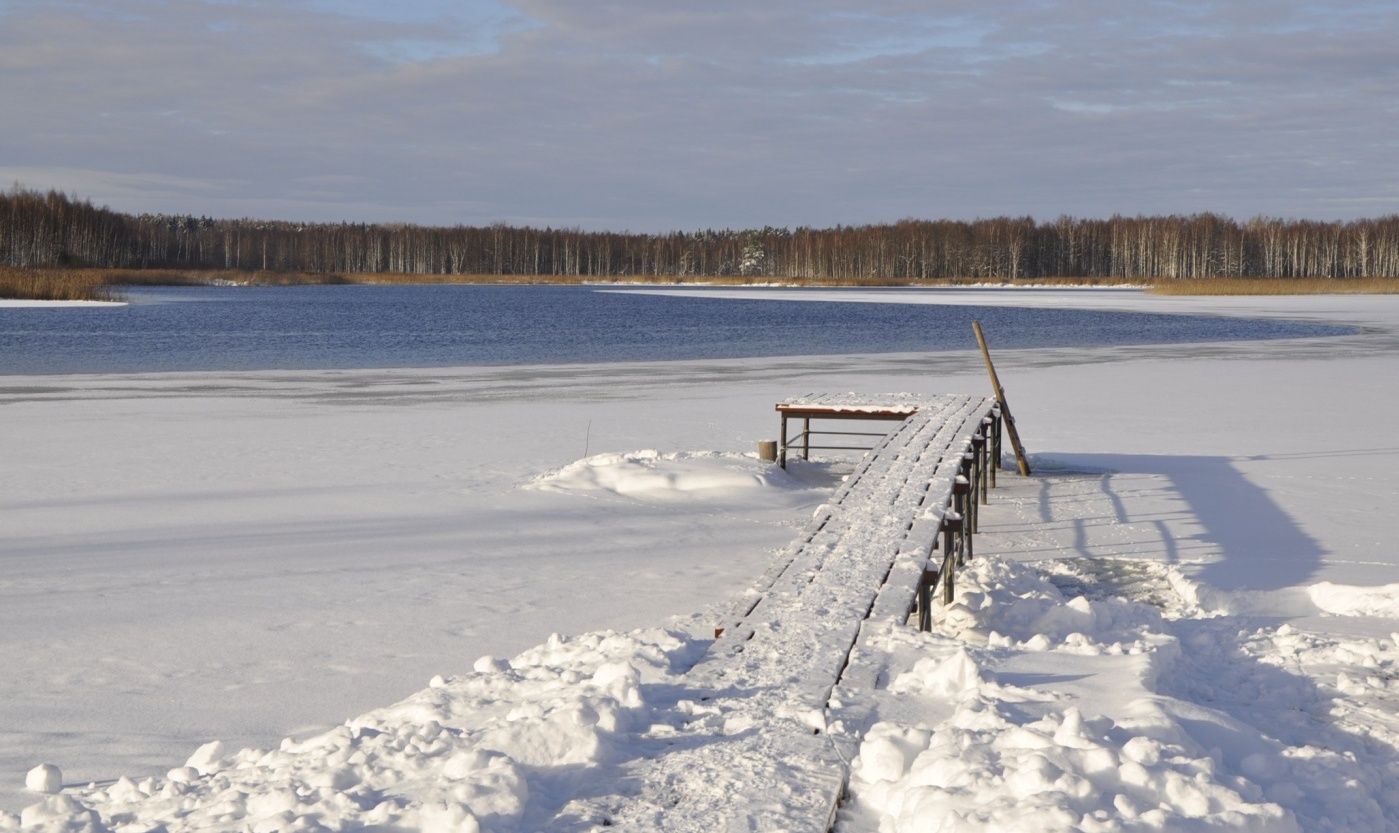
1001, 398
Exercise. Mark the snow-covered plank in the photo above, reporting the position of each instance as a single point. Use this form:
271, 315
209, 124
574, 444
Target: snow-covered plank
763, 690
850, 701
860, 403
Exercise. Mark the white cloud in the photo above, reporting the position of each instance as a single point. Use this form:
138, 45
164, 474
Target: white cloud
652, 115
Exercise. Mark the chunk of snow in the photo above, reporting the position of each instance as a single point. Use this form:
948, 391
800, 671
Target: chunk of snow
44, 778
205, 759
60, 814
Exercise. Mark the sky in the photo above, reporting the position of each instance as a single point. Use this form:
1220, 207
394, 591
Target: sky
658, 115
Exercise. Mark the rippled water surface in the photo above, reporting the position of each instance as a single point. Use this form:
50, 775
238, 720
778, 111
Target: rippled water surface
267, 328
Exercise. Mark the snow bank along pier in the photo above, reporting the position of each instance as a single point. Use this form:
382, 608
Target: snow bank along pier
791, 667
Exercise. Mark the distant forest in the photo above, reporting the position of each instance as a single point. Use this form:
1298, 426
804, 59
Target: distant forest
39, 229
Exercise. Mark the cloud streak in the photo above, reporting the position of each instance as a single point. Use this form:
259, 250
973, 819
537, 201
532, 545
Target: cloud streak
659, 115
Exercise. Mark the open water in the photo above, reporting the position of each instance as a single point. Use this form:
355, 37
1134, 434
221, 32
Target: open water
341, 327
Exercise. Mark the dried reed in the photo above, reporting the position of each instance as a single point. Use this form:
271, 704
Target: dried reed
1278, 286
53, 285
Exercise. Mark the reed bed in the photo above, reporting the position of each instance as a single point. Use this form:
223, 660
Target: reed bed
1278, 286
54, 285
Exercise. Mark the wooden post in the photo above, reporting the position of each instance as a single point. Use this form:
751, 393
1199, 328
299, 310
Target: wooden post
993, 446
983, 460
1005, 408
925, 599
782, 443
965, 507
949, 559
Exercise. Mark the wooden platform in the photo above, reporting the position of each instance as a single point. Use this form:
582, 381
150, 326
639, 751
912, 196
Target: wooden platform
845, 407
762, 695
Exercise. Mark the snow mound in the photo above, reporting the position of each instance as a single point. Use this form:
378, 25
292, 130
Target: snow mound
1037, 705
1347, 600
980, 770
1005, 604
654, 476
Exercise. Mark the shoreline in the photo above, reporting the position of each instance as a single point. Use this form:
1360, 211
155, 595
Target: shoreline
102, 280
24, 303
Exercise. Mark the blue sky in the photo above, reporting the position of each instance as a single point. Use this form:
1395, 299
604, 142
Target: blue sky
658, 115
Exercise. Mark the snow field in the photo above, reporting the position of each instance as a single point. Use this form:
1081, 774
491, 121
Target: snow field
1196, 635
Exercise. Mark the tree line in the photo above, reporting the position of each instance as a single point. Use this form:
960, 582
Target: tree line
46, 229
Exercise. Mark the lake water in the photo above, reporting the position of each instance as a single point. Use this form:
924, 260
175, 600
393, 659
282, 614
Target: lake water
267, 328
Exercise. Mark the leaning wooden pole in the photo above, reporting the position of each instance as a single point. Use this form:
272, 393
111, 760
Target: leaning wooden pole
1005, 408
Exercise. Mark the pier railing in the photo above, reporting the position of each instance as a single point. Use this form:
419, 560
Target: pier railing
970, 490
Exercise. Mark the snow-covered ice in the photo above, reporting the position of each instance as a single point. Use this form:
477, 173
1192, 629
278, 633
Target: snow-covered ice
1185, 621
18, 302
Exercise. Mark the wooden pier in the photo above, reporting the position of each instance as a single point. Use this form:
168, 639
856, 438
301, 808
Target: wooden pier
771, 694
